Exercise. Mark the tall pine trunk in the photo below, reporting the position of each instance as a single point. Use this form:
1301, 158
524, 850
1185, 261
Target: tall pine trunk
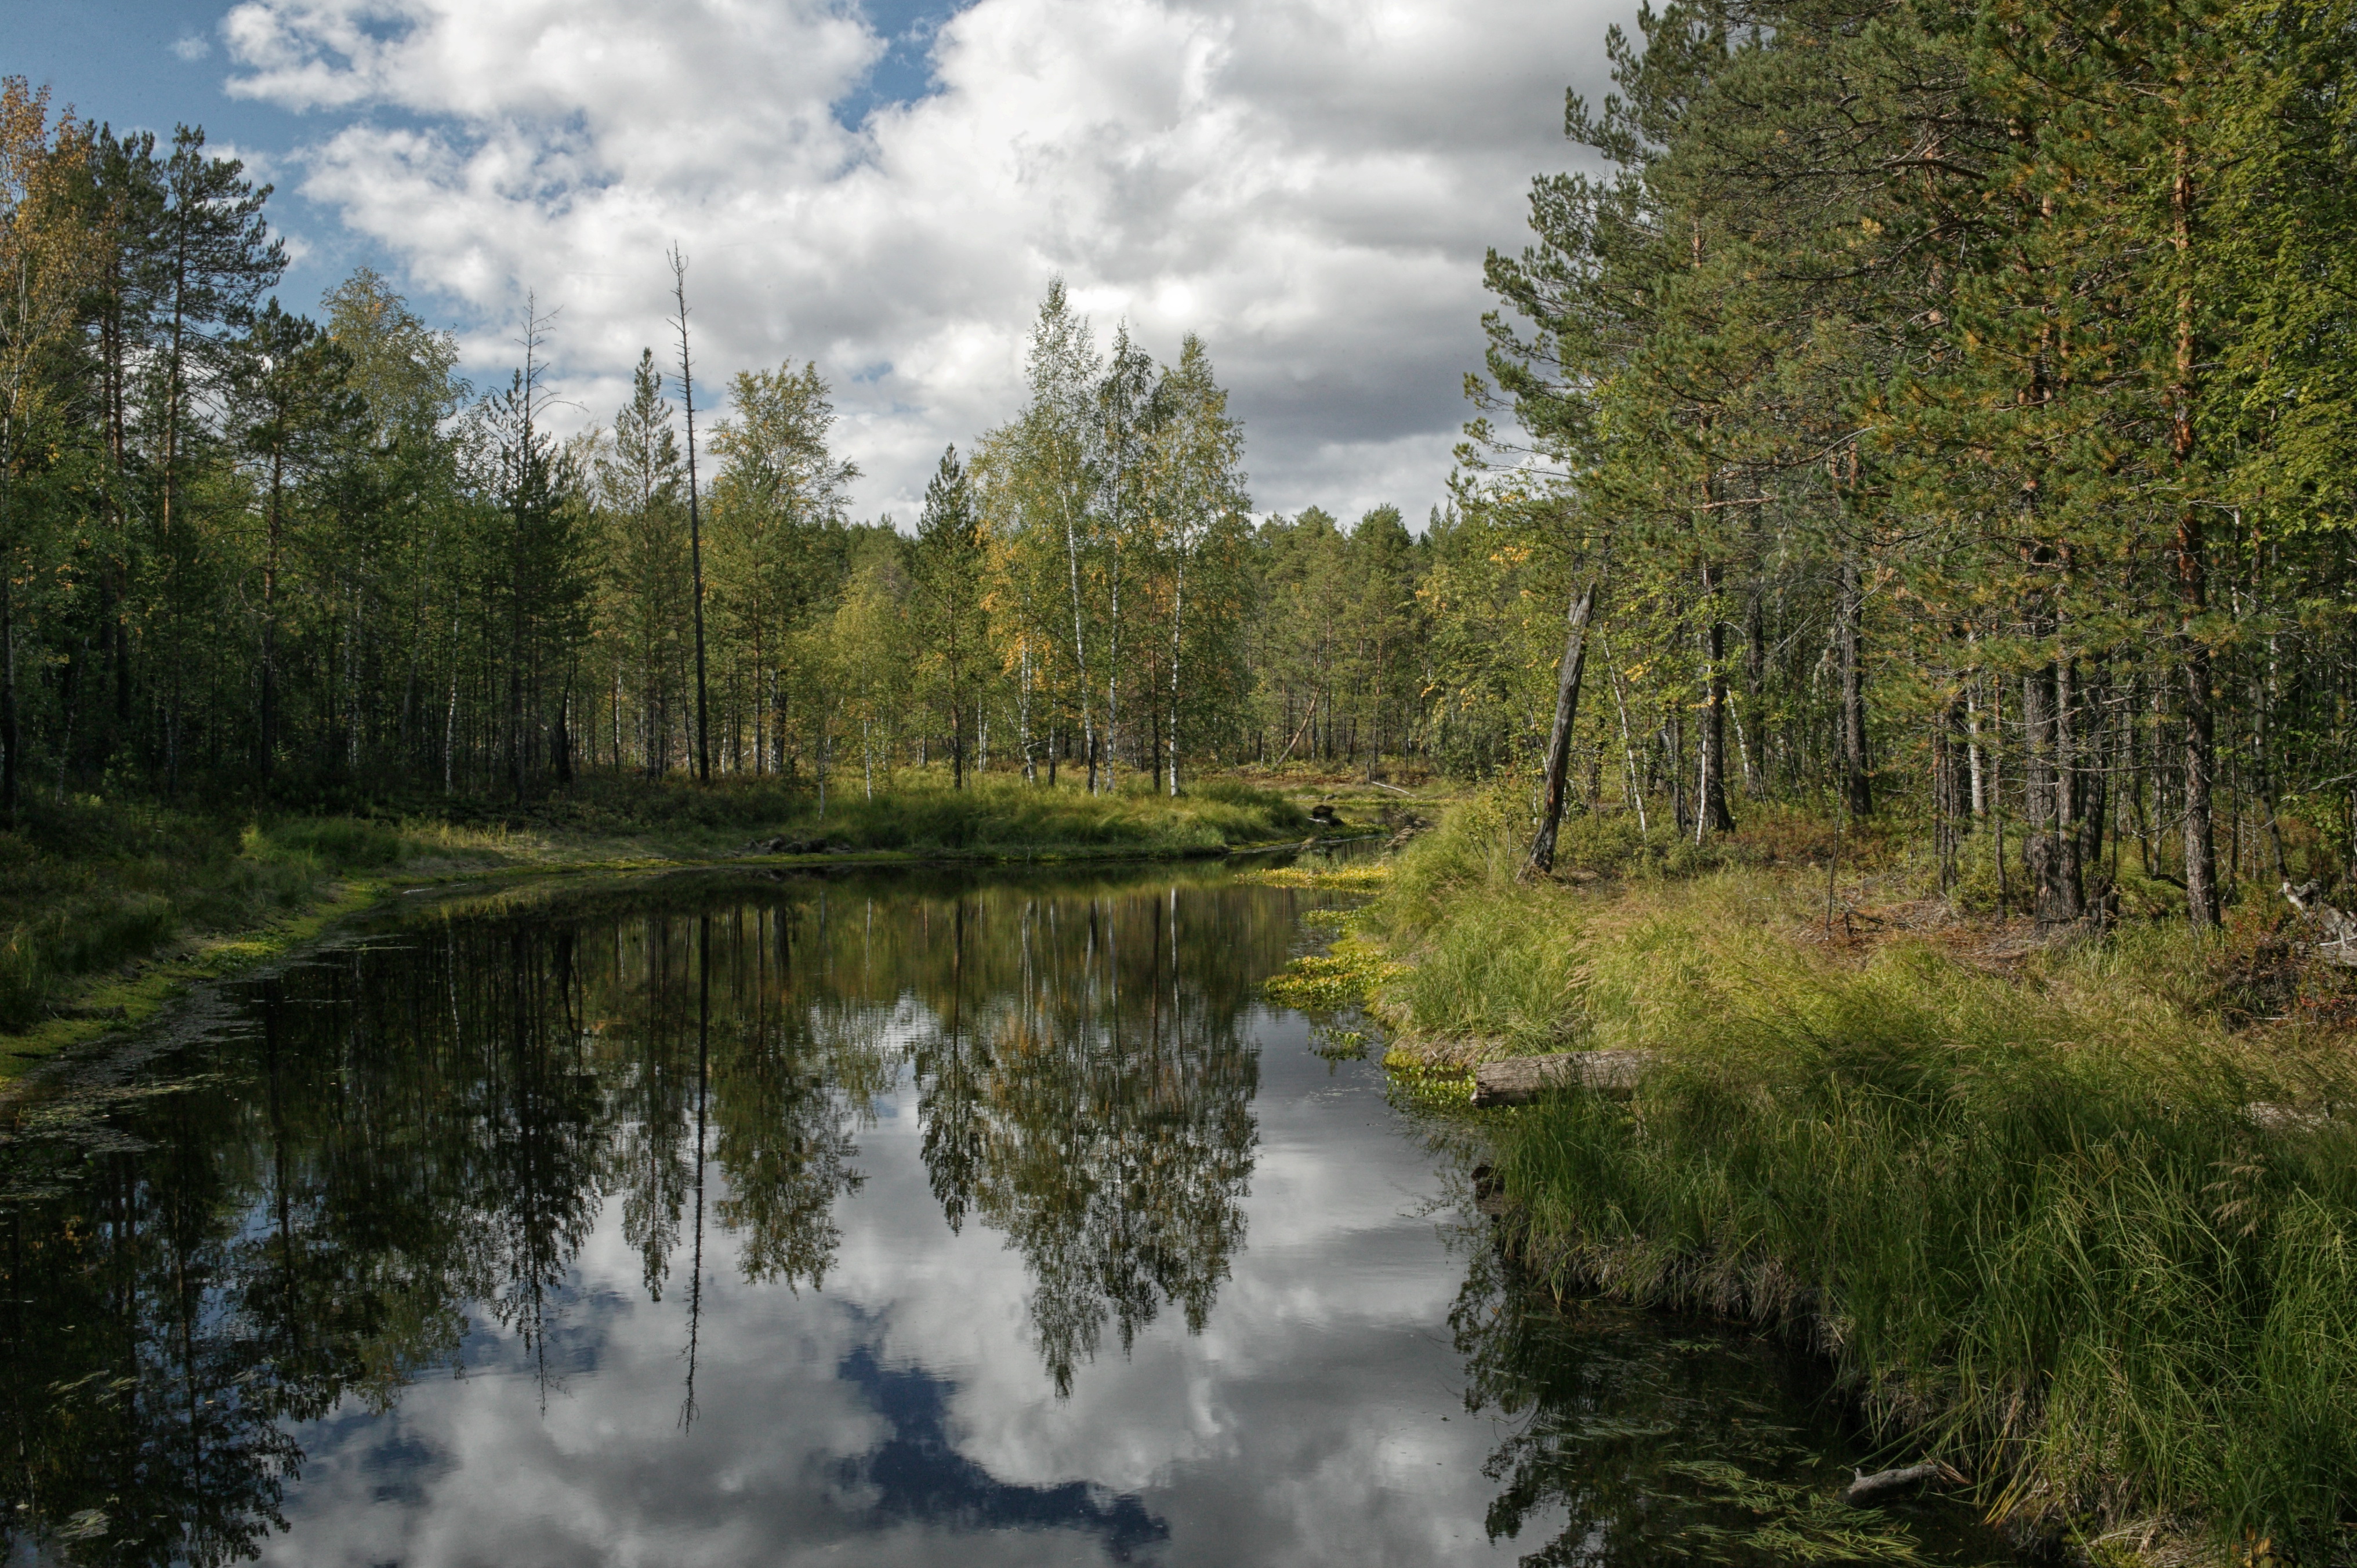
2201, 900
1755, 668
694, 521
2201, 753
1858, 789
1712, 815
270, 615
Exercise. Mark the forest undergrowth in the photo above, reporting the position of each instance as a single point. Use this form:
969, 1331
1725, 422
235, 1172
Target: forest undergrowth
2076, 1213
105, 907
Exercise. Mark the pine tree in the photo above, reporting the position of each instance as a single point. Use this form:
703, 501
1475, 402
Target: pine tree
291, 408
640, 481
946, 564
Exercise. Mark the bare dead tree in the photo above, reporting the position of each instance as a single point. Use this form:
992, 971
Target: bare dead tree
695, 518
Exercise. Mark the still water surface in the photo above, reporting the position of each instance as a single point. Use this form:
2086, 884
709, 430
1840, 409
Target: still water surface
888, 1220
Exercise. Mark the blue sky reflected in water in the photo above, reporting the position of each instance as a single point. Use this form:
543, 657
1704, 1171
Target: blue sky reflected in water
901, 1414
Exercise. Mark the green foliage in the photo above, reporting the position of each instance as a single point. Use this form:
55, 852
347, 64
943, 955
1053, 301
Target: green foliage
1950, 398
1116, 578
1339, 643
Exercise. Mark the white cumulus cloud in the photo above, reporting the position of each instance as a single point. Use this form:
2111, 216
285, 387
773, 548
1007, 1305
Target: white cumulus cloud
1309, 184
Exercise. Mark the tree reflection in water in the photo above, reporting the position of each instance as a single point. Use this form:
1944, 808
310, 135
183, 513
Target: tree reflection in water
1089, 1092
410, 1136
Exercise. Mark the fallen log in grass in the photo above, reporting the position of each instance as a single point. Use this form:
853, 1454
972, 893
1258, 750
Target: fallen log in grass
1866, 1487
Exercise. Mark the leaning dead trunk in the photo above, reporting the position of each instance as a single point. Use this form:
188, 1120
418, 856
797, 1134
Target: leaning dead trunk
1566, 708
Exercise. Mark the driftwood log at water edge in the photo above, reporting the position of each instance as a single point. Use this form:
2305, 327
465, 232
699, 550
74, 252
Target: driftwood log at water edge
1865, 1488
1517, 1081
1513, 1081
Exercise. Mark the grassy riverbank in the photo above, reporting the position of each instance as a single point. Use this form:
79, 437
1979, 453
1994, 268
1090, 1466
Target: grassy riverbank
108, 908
2075, 1219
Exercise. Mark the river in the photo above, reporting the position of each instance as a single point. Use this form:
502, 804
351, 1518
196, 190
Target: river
882, 1218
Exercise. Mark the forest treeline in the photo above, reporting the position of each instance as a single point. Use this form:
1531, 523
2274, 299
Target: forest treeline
258, 555
1918, 409
1952, 407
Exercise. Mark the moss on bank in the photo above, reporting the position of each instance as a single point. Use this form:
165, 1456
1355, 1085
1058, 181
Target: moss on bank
2078, 1217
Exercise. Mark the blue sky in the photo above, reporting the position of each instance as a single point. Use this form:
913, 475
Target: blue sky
114, 60
887, 190
157, 64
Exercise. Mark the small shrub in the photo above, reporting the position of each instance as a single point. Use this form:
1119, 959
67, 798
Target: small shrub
23, 980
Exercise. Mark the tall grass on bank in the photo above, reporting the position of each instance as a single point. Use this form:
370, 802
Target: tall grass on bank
2055, 1241
1489, 969
1496, 968
87, 886
1002, 815
2057, 1227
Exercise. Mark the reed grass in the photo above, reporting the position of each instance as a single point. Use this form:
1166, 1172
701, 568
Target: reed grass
1486, 962
2060, 1221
